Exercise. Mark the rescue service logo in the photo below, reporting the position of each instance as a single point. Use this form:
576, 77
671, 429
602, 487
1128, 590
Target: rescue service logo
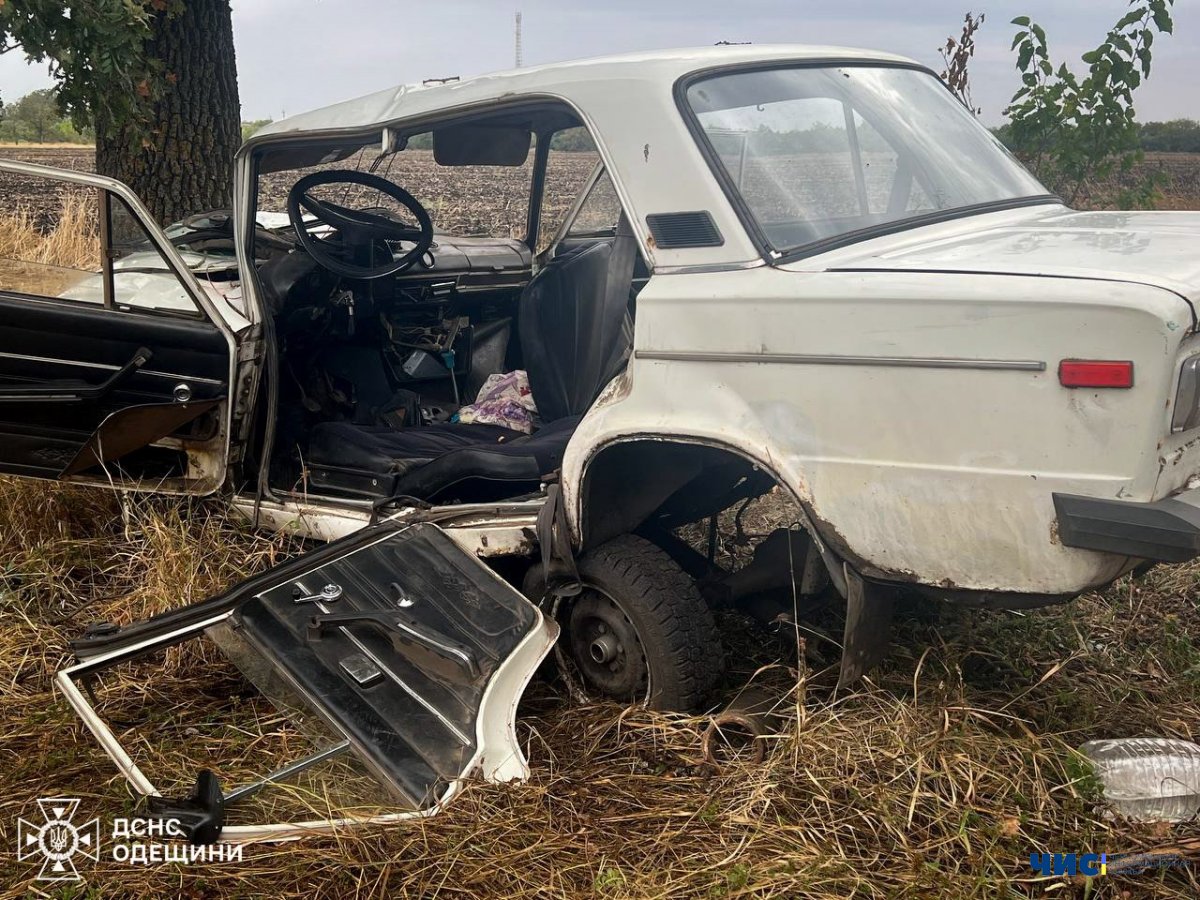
1092, 865
59, 843
57, 840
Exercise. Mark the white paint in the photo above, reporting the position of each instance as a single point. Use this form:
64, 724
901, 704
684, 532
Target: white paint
939, 475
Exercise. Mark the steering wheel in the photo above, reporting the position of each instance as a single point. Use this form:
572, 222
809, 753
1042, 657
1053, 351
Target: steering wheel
357, 227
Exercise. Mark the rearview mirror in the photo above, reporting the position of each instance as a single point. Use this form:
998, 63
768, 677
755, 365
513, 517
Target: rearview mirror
481, 145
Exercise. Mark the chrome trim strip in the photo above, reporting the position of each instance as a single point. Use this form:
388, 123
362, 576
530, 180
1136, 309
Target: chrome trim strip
710, 268
108, 367
807, 359
61, 362
198, 379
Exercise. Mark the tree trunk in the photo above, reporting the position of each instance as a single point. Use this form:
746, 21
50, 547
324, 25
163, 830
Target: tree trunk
183, 162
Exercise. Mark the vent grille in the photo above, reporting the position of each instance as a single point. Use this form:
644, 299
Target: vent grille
674, 231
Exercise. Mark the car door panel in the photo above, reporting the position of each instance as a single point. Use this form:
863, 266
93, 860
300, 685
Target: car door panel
133, 427
55, 354
110, 350
394, 649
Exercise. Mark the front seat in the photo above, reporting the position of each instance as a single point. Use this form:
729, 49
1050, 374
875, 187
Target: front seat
576, 335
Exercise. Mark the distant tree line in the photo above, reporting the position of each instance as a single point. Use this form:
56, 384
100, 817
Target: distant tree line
1175, 136
36, 118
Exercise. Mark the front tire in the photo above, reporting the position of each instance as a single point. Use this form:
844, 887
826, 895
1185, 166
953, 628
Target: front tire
639, 631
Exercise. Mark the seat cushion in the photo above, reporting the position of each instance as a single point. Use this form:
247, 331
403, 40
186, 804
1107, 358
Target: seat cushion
385, 450
439, 462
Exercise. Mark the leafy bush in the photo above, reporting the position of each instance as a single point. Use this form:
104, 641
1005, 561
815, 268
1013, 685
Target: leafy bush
1075, 131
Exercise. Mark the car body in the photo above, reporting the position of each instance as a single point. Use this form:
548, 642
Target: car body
844, 286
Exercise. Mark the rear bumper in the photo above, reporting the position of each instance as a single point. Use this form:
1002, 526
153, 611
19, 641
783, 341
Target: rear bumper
1166, 530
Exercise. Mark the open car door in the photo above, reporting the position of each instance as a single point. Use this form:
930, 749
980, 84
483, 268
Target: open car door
115, 364
393, 661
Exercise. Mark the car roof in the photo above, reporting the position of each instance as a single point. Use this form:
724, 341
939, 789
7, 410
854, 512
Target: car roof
553, 79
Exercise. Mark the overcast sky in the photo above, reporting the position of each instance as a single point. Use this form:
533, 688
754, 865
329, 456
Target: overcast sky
296, 55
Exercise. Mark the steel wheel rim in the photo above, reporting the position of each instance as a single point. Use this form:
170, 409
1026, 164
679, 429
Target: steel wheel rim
630, 643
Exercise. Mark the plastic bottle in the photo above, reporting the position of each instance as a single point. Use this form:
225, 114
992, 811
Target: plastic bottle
1148, 779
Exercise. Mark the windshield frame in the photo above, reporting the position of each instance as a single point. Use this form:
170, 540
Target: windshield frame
779, 256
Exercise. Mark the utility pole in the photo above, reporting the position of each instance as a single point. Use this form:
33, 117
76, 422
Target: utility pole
517, 37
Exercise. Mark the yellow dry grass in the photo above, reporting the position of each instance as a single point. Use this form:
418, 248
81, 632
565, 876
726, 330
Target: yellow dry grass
70, 242
50, 259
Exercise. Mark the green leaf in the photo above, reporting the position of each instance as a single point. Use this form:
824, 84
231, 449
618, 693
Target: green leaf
1129, 18
1024, 57
1017, 38
1091, 57
1023, 21
1162, 20
1038, 32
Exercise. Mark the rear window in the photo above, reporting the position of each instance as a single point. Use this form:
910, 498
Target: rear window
817, 152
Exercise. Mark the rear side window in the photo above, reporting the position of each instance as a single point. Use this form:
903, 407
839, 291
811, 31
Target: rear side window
569, 164
600, 212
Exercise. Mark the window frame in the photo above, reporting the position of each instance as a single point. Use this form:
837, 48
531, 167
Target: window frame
108, 256
775, 257
585, 196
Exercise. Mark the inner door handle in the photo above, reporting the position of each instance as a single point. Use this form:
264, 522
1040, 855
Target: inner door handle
76, 391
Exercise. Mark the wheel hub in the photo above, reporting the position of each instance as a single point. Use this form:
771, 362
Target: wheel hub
605, 648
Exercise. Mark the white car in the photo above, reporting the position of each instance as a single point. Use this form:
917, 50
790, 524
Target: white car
807, 267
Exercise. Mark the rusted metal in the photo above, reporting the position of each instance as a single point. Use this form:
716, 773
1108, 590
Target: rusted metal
868, 627
741, 732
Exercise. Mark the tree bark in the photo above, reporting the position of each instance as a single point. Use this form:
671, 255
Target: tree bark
182, 163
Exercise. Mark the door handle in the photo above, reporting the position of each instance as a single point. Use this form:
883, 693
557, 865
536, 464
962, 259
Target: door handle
76, 391
403, 630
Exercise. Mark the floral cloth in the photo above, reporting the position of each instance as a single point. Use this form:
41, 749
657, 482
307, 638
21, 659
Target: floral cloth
505, 400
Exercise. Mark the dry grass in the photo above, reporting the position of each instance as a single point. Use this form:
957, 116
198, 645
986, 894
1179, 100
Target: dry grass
936, 779
71, 241
48, 258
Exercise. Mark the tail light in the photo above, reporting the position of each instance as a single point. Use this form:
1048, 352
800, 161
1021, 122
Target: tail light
1095, 373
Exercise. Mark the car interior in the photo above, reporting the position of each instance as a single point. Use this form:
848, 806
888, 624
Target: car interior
388, 323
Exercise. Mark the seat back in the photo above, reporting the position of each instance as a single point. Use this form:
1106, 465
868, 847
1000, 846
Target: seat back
574, 325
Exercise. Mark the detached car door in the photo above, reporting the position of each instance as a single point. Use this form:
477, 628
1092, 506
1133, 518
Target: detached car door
390, 664
114, 367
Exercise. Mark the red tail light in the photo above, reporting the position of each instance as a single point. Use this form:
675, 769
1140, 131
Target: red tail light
1095, 373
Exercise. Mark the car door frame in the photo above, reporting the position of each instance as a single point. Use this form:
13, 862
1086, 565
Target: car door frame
227, 320
564, 228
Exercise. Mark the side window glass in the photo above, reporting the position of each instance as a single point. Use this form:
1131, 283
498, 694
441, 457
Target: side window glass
572, 157
51, 247
141, 277
600, 212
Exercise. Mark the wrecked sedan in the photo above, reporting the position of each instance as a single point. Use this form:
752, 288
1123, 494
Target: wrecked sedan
800, 267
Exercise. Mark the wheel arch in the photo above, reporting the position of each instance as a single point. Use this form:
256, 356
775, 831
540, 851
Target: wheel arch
627, 479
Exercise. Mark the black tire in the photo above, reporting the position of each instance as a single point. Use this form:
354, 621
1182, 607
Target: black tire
680, 644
